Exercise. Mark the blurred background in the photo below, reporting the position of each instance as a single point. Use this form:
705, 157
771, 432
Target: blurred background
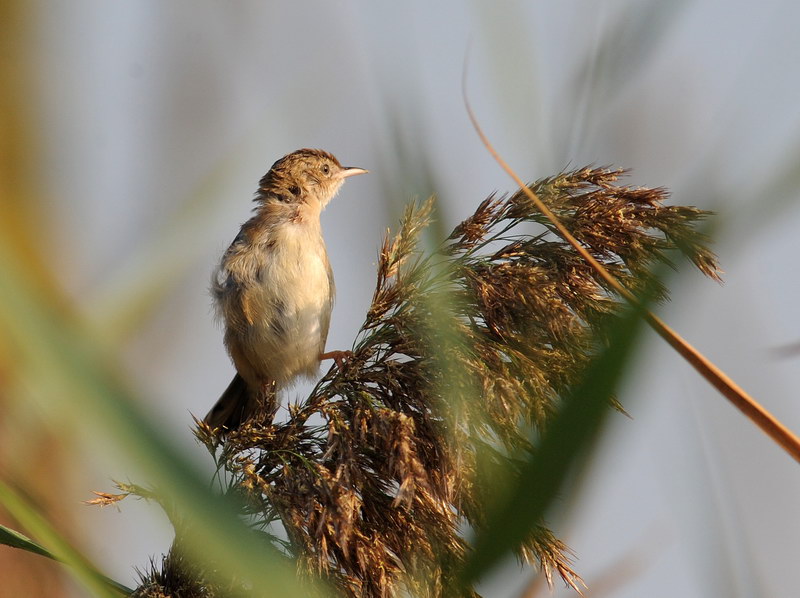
141, 129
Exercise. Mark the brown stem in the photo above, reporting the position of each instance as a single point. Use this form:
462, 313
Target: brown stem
729, 389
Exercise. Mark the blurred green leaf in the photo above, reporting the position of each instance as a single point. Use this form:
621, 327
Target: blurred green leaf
511, 519
507, 33
777, 195
625, 49
77, 386
57, 547
12, 538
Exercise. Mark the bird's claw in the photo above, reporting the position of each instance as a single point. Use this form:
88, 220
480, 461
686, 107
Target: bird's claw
338, 357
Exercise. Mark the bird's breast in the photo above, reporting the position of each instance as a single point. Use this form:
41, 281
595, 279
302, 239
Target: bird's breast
292, 299
300, 267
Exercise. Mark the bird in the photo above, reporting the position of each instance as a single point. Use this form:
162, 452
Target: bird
273, 288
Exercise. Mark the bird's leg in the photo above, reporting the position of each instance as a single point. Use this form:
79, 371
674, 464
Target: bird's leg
337, 356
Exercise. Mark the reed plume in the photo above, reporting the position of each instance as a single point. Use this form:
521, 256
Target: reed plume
465, 354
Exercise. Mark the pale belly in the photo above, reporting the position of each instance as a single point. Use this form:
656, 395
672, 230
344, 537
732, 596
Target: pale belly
292, 301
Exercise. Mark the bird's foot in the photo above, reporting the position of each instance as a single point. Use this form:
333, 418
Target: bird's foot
338, 356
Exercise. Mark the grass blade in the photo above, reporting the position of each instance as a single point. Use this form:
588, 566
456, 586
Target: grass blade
15, 539
55, 546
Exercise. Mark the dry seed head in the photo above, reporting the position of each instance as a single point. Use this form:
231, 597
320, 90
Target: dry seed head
374, 499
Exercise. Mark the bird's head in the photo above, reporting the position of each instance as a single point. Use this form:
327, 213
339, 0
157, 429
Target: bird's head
309, 176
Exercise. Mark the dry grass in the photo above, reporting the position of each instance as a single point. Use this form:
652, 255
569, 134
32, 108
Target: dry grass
463, 358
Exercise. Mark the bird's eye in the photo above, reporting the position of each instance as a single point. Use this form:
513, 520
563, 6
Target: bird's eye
326, 169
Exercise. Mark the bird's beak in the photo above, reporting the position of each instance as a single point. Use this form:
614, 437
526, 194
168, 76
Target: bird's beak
353, 171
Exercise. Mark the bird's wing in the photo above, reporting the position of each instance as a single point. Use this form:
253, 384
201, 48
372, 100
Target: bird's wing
325, 316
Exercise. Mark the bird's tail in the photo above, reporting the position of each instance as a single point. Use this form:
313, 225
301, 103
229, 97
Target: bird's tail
234, 406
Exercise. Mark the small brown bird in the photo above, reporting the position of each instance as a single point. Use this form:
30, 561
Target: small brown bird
274, 287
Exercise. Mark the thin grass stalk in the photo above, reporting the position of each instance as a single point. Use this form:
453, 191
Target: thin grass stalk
751, 408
